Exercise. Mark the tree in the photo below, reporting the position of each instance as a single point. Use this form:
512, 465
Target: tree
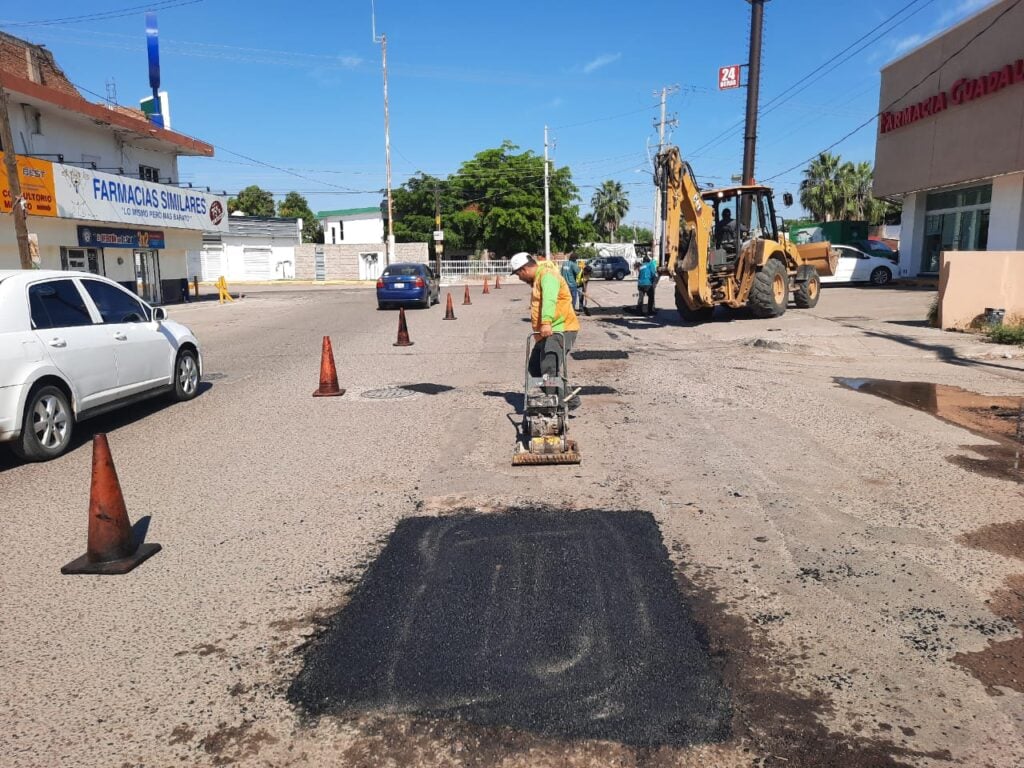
823, 190
252, 201
495, 201
294, 206
610, 205
636, 234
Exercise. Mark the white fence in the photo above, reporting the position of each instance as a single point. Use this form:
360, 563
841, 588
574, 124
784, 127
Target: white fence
457, 271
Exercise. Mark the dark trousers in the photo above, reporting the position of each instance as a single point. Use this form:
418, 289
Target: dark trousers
646, 290
545, 357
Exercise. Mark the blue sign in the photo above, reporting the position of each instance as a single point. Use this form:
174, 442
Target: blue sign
113, 237
153, 48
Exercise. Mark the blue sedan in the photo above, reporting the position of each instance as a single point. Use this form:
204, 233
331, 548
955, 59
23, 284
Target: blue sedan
408, 284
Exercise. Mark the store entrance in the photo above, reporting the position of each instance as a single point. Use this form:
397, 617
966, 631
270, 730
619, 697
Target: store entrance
955, 220
147, 275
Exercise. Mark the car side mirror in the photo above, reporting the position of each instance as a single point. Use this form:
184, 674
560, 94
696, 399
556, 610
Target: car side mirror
787, 199
159, 314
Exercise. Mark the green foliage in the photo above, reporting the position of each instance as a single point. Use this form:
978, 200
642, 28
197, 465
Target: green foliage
832, 189
494, 201
630, 234
1007, 334
252, 201
294, 206
586, 252
610, 204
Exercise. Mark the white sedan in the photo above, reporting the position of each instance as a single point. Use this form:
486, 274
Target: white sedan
75, 345
858, 267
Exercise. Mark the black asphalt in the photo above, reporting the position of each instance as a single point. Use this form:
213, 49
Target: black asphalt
567, 624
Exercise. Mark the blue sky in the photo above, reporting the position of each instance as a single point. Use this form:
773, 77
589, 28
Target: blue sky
298, 85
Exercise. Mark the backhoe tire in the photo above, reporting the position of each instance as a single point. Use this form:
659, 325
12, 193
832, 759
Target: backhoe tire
702, 315
808, 287
770, 292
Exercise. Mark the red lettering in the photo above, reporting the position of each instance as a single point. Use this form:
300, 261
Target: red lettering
980, 87
1018, 70
915, 113
1005, 77
992, 82
940, 103
957, 91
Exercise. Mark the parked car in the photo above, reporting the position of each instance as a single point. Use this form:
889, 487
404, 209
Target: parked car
408, 284
609, 267
876, 248
855, 266
75, 345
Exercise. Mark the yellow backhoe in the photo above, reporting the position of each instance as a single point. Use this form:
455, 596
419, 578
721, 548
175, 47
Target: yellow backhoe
724, 246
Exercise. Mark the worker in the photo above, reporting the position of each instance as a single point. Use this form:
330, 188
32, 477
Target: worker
646, 280
551, 312
570, 273
726, 228
582, 282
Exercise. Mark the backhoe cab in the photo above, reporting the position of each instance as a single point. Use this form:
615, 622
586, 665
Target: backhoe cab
724, 246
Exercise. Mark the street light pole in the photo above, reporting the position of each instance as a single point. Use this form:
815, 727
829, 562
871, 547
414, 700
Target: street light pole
383, 40
547, 202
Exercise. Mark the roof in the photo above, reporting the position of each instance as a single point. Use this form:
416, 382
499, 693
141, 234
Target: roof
734, 190
347, 212
42, 274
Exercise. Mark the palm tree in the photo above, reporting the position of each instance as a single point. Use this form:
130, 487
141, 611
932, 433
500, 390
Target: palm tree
824, 190
610, 203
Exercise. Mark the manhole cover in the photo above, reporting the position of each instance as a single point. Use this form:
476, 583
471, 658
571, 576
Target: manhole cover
428, 389
568, 625
600, 354
387, 393
598, 390
214, 376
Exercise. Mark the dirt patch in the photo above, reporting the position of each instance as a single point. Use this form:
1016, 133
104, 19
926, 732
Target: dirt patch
232, 743
1001, 664
182, 734
1005, 539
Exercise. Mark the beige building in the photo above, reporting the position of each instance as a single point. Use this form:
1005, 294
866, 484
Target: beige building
951, 140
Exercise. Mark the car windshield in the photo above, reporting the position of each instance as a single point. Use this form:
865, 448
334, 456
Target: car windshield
402, 270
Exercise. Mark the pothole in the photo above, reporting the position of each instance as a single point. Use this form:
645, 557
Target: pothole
598, 390
428, 389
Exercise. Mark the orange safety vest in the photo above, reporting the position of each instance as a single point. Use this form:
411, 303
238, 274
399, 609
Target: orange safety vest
565, 318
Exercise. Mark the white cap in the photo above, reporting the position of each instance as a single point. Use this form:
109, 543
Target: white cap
518, 261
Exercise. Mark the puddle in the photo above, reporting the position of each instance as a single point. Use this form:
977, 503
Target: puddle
599, 354
560, 624
428, 389
1000, 419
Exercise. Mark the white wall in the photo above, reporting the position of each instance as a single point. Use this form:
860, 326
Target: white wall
912, 234
231, 262
1006, 222
79, 140
366, 228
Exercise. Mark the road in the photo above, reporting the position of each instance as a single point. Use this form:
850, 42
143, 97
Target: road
753, 565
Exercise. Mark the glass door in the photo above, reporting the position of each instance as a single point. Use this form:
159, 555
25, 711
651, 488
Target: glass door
147, 275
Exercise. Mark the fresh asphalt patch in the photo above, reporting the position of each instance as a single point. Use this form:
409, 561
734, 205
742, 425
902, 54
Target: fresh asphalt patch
599, 354
563, 624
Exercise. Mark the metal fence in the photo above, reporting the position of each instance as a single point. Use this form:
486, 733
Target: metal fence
457, 271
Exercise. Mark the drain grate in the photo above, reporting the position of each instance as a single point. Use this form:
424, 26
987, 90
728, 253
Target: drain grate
600, 354
428, 389
387, 393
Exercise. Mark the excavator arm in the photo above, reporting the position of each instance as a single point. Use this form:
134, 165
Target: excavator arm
687, 224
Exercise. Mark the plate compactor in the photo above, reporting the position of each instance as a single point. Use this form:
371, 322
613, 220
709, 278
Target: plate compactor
543, 437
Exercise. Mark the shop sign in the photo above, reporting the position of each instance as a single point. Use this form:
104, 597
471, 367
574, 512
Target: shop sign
96, 196
36, 178
729, 77
113, 237
964, 90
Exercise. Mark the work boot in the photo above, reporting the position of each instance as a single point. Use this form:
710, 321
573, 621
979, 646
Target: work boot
574, 402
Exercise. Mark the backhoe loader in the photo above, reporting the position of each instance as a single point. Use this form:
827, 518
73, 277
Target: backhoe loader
724, 246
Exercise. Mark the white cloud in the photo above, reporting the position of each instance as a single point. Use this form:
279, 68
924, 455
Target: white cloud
906, 43
960, 10
556, 102
349, 62
601, 61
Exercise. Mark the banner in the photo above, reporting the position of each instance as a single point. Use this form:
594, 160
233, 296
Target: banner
36, 178
113, 237
96, 196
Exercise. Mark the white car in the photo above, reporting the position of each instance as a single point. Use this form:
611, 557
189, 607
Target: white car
75, 345
856, 266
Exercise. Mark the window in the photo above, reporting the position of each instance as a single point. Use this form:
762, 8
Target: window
82, 260
57, 304
148, 173
115, 305
957, 220
402, 270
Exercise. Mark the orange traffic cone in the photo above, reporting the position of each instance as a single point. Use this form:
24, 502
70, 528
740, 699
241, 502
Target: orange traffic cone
328, 373
449, 311
403, 331
111, 548
465, 300
497, 282
486, 289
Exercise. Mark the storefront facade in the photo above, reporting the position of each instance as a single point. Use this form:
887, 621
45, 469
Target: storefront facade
951, 143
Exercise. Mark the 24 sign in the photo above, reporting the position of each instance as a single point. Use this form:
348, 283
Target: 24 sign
729, 77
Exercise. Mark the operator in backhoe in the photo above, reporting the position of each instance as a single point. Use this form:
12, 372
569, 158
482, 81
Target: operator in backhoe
726, 227
551, 312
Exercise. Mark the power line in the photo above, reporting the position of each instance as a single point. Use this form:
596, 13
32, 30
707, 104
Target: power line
902, 96
159, 5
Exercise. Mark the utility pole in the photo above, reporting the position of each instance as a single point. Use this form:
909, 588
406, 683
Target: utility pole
438, 244
753, 88
547, 202
657, 245
383, 40
17, 202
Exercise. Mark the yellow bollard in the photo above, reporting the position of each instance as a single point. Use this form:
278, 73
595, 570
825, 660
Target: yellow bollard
222, 289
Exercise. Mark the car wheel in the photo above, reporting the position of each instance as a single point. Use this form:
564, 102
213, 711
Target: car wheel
186, 375
620, 275
47, 426
881, 276
427, 302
